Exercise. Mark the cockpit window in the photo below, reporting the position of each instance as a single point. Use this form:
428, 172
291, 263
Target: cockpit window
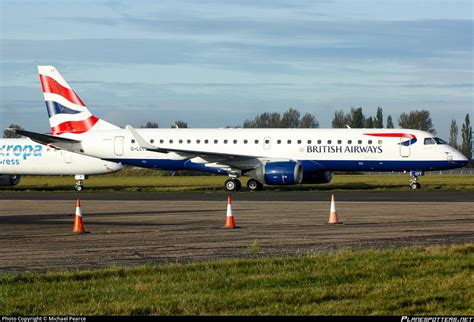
440, 141
429, 141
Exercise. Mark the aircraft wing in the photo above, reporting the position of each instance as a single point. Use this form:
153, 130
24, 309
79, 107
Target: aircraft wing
240, 162
53, 141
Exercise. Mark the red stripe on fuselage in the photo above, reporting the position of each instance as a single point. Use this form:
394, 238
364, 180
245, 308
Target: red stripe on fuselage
75, 126
51, 86
392, 135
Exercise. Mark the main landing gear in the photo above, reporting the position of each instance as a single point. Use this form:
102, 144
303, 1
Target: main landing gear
234, 184
254, 185
80, 178
414, 184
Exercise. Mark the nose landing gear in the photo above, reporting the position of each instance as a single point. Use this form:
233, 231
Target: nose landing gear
414, 184
80, 178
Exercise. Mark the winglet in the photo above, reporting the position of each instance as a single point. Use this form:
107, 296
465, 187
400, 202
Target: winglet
141, 141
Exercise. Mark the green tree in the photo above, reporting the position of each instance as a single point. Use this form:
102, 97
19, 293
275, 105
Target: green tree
390, 122
10, 134
290, 119
418, 120
340, 119
466, 133
369, 123
357, 118
180, 125
309, 121
453, 134
378, 121
264, 120
150, 125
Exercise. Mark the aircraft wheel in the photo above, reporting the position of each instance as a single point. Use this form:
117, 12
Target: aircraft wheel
232, 185
254, 185
79, 187
415, 185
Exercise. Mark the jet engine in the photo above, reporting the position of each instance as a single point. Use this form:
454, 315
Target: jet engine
279, 173
317, 177
9, 180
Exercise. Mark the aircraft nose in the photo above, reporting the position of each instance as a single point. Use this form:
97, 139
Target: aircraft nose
461, 159
113, 166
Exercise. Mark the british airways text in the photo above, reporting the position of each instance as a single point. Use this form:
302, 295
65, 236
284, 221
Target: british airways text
340, 149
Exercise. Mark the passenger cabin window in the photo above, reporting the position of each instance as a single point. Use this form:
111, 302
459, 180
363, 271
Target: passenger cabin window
216, 141
319, 141
189, 141
246, 141
349, 142
206, 141
329, 141
370, 142
339, 142
161, 141
289, 141
380, 142
180, 141
299, 141
235, 141
360, 141
267, 141
256, 141
225, 141
429, 141
152, 141
133, 141
171, 141
278, 141
309, 141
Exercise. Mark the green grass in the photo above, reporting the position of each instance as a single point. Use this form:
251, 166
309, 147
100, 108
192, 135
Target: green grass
149, 180
412, 281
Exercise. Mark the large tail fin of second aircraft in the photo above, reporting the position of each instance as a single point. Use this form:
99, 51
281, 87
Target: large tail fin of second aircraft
67, 113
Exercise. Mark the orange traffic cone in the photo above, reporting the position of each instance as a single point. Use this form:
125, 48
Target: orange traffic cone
333, 214
78, 226
229, 222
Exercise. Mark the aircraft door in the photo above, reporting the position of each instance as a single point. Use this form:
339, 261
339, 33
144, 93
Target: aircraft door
67, 156
118, 145
266, 143
405, 147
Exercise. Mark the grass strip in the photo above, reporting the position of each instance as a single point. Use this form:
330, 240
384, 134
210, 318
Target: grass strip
435, 280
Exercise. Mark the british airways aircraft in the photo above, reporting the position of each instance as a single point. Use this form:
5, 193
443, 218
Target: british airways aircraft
25, 157
269, 156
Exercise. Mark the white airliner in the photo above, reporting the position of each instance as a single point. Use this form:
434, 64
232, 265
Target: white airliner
25, 157
269, 156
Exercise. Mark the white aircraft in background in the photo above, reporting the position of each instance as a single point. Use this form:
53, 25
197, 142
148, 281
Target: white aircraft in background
25, 157
269, 156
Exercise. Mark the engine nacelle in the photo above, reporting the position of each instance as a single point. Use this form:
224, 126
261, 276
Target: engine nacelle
9, 180
279, 173
317, 177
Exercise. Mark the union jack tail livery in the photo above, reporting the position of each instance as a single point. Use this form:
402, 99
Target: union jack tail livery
67, 113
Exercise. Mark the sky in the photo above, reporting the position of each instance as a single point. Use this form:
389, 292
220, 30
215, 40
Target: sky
215, 63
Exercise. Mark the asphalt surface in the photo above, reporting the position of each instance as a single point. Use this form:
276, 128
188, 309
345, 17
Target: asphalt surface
36, 235
290, 196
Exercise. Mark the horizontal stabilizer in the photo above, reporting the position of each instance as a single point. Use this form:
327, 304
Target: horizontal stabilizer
54, 141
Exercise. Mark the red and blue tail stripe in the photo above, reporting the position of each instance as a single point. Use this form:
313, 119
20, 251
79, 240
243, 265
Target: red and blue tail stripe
51, 86
67, 112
